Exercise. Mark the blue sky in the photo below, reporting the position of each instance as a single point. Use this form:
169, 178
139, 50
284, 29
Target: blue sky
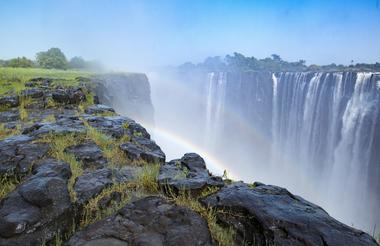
136, 34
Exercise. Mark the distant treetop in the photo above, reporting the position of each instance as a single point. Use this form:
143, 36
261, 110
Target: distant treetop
239, 62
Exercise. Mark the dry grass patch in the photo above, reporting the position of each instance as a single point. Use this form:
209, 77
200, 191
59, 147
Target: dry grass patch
224, 236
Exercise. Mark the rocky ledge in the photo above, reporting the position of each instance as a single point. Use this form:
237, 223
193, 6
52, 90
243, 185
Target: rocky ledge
73, 172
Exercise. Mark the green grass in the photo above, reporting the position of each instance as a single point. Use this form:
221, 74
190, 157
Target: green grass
92, 212
5, 132
58, 143
147, 178
224, 236
8, 184
12, 80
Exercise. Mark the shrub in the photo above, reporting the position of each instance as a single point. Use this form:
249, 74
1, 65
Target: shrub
52, 58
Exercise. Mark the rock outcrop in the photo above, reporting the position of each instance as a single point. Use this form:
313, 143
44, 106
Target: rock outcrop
271, 215
188, 174
38, 208
148, 221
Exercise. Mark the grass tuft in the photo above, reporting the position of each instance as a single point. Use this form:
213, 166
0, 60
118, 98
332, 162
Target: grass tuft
92, 212
147, 178
224, 236
8, 184
58, 143
6, 132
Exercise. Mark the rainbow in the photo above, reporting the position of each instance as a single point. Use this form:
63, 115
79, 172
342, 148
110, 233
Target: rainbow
213, 164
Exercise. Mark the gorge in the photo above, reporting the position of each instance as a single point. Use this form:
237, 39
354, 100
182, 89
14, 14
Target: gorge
316, 133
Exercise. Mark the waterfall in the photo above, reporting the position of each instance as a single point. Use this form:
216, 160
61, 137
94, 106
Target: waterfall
215, 102
324, 125
322, 129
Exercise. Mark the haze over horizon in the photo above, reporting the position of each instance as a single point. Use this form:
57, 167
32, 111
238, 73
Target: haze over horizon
135, 35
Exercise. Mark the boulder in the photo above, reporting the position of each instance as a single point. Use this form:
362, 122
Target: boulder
148, 221
188, 173
63, 125
270, 215
116, 126
33, 93
69, 96
9, 101
99, 109
89, 154
38, 208
138, 153
10, 115
18, 153
91, 183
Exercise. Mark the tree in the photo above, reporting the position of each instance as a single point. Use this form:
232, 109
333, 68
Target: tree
276, 58
19, 62
77, 62
53, 58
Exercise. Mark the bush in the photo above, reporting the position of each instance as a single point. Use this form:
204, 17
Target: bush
53, 58
19, 62
77, 62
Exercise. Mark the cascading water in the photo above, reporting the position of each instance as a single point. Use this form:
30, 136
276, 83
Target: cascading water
322, 128
317, 134
324, 125
215, 99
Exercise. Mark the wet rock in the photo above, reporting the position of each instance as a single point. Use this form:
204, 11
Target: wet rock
9, 101
63, 125
270, 215
137, 153
127, 174
99, 109
148, 221
117, 126
188, 173
91, 183
33, 93
89, 154
69, 96
42, 81
38, 208
18, 153
10, 115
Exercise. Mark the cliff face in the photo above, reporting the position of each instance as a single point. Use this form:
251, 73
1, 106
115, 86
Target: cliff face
74, 172
129, 94
325, 125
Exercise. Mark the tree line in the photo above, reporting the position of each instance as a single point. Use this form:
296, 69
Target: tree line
274, 63
52, 58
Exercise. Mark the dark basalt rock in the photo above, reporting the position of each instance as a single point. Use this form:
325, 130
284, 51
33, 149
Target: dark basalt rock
33, 93
117, 126
17, 154
188, 173
126, 173
106, 201
136, 153
9, 101
89, 154
69, 96
270, 215
38, 208
99, 109
148, 221
63, 125
91, 183
8, 116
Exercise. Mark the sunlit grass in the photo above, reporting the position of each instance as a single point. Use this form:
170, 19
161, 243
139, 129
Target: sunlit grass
8, 184
6, 132
224, 236
58, 143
